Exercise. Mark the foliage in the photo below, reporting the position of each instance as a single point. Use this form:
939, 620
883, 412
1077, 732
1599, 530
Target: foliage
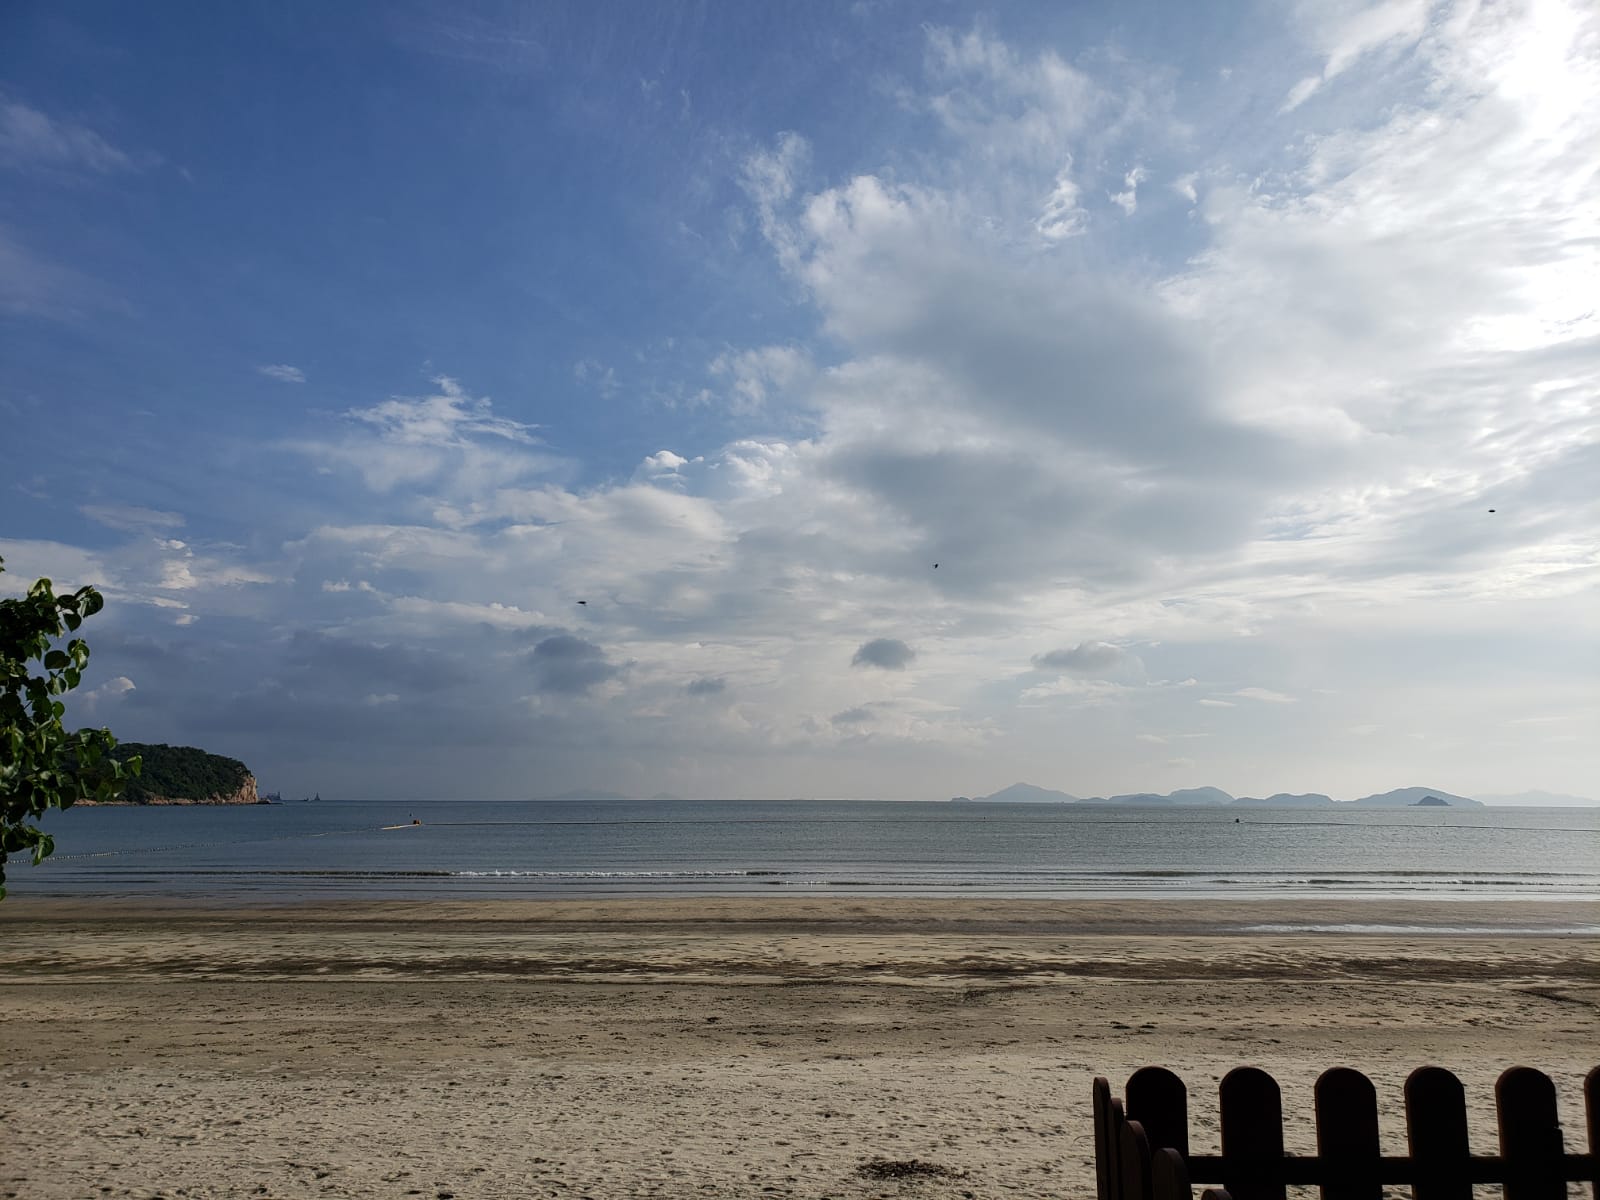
42, 766
180, 773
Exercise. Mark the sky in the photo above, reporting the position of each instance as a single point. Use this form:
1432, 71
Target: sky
852, 400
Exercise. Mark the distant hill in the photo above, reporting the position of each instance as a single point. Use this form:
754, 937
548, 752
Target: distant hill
1287, 800
185, 775
1408, 797
1540, 799
585, 794
1025, 793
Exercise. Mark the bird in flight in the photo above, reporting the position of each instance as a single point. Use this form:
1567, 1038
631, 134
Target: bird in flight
1491, 510
935, 566
583, 602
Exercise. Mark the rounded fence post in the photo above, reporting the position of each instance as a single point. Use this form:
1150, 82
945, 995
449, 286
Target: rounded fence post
1158, 1100
1530, 1135
1436, 1133
1252, 1134
1347, 1135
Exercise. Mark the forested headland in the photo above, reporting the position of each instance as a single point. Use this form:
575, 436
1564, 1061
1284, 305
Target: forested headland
185, 775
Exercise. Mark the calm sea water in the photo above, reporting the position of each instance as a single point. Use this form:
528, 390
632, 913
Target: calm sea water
468, 849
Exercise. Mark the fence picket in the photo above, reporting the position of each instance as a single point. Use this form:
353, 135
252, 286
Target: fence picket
1347, 1135
1530, 1135
1107, 1141
1158, 1100
1169, 1175
1252, 1132
1436, 1132
1135, 1162
1591, 1105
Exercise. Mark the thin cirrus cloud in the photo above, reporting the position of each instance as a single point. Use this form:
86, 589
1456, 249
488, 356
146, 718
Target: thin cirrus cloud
283, 373
30, 138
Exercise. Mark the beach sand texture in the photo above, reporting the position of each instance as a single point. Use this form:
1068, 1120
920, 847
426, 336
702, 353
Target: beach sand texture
722, 1048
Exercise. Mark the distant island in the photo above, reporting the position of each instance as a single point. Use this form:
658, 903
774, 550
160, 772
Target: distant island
1409, 797
184, 775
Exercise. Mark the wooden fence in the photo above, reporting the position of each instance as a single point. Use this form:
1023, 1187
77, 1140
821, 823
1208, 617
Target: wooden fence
1142, 1143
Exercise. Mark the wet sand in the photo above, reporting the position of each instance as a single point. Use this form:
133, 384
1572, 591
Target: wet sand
744, 1047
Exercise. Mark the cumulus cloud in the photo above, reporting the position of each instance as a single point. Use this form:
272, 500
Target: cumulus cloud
568, 665
107, 692
889, 654
706, 686
1086, 658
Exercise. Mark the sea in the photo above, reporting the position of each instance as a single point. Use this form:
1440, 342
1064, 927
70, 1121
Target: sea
465, 849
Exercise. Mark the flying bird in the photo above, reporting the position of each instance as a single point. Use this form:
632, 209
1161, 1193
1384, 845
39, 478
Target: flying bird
583, 602
935, 566
1491, 510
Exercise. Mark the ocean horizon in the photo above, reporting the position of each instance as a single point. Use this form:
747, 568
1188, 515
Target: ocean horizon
553, 848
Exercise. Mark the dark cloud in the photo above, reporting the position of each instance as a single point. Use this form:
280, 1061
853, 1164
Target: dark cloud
706, 687
350, 665
570, 665
1086, 658
890, 654
852, 716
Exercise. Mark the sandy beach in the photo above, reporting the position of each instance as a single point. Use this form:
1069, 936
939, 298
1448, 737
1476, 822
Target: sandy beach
748, 1047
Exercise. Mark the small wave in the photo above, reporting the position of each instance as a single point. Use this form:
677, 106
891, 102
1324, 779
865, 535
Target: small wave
1409, 930
514, 874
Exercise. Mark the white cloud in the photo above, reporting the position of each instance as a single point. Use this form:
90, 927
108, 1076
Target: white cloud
108, 692
753, 375
1062, 216
448, 439
1128, 199
1265, 695
283, 373
1347, 31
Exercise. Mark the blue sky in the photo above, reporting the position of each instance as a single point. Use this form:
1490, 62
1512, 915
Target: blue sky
347, 348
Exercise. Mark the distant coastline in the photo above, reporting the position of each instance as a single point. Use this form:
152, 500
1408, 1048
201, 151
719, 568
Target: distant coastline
1211, 797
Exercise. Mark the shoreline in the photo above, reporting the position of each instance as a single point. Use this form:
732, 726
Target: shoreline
1229, 916
720, 1048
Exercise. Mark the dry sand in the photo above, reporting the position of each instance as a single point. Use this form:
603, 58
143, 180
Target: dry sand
721, 1048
